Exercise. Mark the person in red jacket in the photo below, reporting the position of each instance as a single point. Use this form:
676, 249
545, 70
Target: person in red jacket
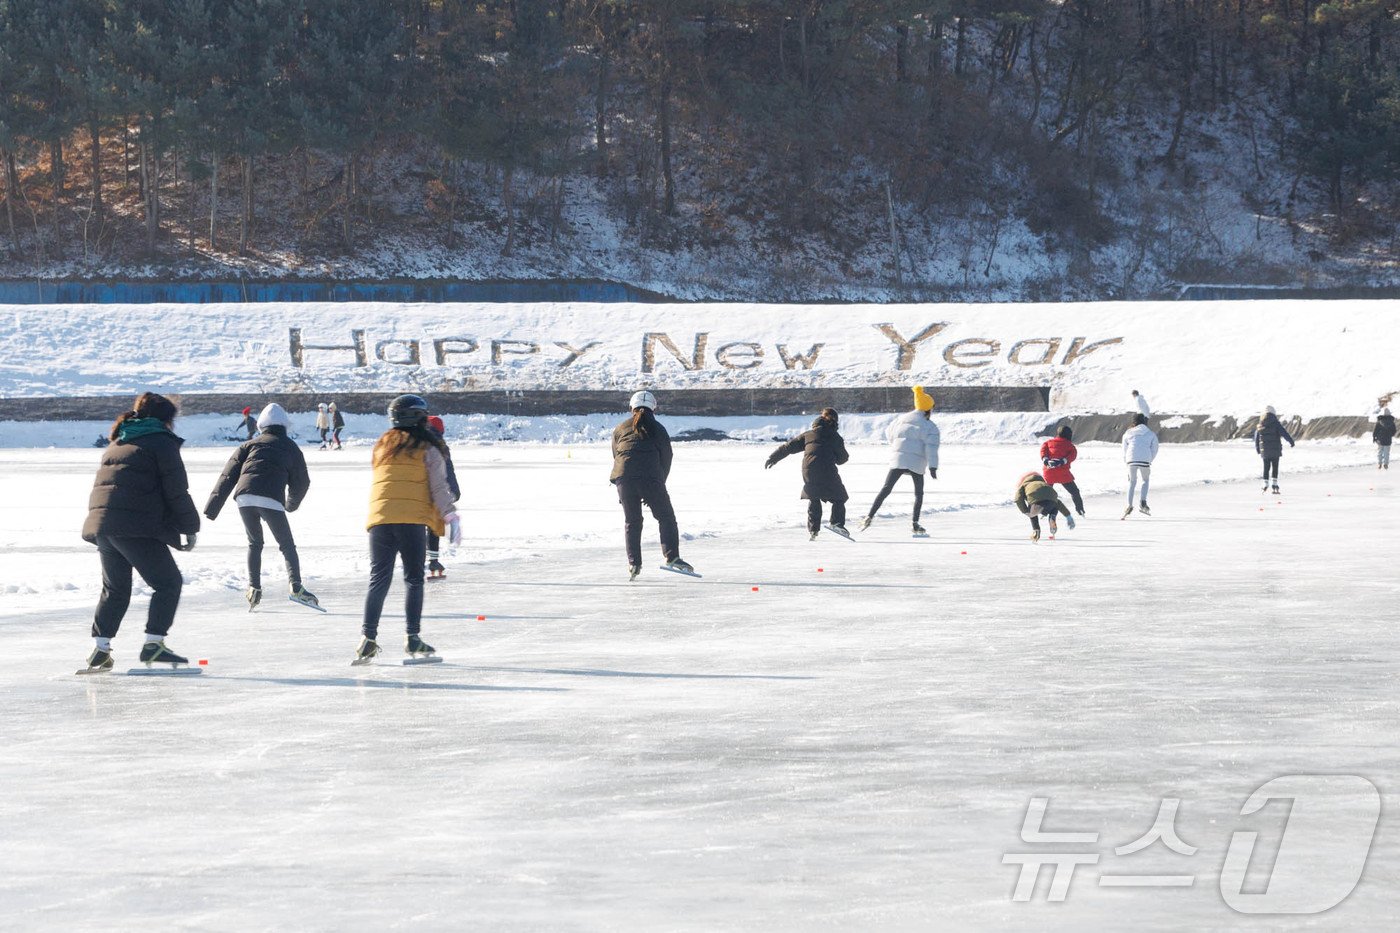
1056, 455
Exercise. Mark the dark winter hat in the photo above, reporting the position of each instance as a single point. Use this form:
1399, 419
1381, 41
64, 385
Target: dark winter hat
408, 410
1139, 418
1065, 432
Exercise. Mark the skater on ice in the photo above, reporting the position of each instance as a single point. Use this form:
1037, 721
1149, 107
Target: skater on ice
1268, 443
641, 451
1141, 401
1056, 455
823, 451
409, 491
435, 424
267, 478
1035, 497
1382, 435
914, 439
337, 424
323, 424
249, 424
1140, 447
140, 508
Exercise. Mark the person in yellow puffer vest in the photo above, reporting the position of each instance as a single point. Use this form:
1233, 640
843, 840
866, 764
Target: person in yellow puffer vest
409, 492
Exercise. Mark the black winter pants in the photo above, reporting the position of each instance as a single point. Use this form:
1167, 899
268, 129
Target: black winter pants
891, 478
1073, 489
386, 543
157, 567
632, 494
253, 519
1270, 463
814, 514
1037, 510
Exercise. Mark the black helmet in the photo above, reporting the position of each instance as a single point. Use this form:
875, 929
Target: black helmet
408, 410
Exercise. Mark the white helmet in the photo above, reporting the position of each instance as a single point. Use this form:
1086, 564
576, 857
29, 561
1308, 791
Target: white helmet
642, 399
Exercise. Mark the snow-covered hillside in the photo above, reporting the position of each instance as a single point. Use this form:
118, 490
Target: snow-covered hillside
1307, 359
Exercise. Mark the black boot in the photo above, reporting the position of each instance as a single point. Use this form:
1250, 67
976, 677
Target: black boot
155, 652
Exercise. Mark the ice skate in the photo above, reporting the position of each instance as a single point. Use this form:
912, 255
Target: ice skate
1126, 512
416, 646
1275, 489
1069, 520
812, 535
633, 571
99, 662
679, 566
841, 530
155, 652
920, 531
305, 597
1266, 485
865, 522
365, 653
1035, 535
254, 596
436, 571
1054, 528
1142, 507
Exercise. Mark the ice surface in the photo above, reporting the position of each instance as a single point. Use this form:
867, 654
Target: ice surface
852, 746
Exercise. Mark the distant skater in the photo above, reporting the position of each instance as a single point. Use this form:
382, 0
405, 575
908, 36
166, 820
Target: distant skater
408, 492
435, 424
914, 439
823, 451
1268, 444
249, 423
338, 424
1141, 402
267, 478
1381, 435
1035, 497
323, 424
1056, 455
641, 451
1140, 448
139, 509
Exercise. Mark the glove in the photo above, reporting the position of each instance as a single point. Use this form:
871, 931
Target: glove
454, 529
933, 471
188, 545
768, 464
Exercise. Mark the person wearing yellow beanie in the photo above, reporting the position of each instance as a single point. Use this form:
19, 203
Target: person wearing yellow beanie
915, 439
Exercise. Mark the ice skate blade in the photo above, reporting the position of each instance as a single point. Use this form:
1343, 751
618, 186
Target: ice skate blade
93, 670
916, 535
164, 670
318, 608
840, 534
425, 659
684, 573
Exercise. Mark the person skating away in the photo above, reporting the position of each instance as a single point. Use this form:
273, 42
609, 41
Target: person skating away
323, 424
1268, 444
1140, 447
140, 508
914, 439
1056, 455
435, 567
267, 478
338, 425
1035, 497
1141, 401
641, 451
1382, 435
249, 423
822, 451
409, 491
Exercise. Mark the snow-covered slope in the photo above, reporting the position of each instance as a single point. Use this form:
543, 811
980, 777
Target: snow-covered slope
1306, 358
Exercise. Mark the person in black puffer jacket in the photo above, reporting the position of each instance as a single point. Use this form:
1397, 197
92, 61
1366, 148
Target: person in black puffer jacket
1268, 443
1382, 435
139, 509
822, 451
641, 451
267, 478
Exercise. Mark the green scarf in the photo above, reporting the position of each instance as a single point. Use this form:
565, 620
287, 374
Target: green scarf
140, 427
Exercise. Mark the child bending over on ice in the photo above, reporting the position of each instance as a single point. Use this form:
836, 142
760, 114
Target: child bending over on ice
1035, 497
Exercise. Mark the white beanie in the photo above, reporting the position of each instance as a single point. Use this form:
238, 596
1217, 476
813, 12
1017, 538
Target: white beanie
321, 406
273, 414
1269, 410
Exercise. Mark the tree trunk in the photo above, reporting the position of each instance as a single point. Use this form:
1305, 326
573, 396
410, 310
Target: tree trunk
600, 112
245, 218
960, 56
149, 169
95, 131
508, 200
347, 189
56, 200
901, 53
214, 204
11, 185
668, 200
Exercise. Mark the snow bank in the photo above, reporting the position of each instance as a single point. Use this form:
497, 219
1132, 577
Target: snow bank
1308, 359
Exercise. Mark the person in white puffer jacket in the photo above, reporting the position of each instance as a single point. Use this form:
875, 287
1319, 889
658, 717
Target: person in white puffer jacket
1140, 447
914, 439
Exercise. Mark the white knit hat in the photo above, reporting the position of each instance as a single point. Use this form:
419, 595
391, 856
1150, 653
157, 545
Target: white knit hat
273, 414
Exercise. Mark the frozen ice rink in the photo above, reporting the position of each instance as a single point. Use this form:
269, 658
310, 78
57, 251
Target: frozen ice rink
853, 744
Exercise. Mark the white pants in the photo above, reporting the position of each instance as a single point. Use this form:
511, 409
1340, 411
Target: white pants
1134, 470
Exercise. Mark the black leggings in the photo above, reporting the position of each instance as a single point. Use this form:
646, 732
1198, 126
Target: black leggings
1270, 463
1039, 509
386, 543
253, 518
814, 514
654, 494
157, 567
1073, 489
891, 478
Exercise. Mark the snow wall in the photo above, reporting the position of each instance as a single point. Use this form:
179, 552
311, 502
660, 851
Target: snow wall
1207, 367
